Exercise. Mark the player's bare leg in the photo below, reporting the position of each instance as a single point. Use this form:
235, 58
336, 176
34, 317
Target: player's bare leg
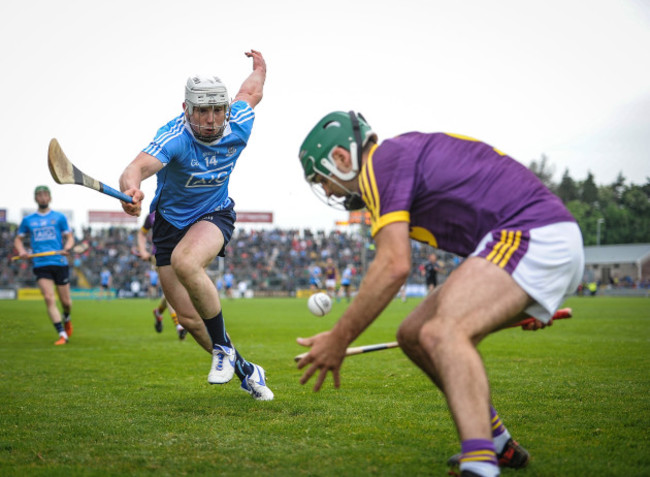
441, 335
180, 300
66, 304
198, 248
47, 289
191, 256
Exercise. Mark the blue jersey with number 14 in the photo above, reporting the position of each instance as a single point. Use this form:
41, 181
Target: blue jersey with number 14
194, 180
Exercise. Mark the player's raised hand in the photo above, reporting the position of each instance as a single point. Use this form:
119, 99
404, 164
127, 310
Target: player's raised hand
258, 59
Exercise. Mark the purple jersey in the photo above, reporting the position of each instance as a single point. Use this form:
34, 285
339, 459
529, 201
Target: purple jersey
454, 190
147, 226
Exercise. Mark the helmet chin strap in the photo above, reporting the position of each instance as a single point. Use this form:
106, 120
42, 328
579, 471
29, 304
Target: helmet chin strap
353, 201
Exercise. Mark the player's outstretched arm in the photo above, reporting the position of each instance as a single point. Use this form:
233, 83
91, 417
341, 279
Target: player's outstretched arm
385, 276
141, 168
251, 90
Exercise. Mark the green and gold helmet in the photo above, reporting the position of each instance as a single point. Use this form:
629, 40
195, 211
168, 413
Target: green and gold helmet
41, 188
348, 130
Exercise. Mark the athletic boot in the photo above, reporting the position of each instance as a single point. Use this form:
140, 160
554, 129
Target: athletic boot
67, 325
512, 455
159, 320
182, 332
255, 385
223, 364
61, 341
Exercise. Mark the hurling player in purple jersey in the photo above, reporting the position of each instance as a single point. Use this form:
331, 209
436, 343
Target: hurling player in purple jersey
193, 156
524, 250
141, 241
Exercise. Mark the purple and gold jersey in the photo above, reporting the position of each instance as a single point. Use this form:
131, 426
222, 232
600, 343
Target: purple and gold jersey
148, 223
330, 272
453, 190
147, 226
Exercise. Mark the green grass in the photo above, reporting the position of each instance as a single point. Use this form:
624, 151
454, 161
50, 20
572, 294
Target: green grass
120, 399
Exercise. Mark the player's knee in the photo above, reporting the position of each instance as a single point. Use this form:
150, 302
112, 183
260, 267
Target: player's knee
408, 335
183, 265
435, 335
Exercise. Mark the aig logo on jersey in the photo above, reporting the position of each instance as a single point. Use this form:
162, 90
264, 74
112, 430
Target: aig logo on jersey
42, 234
211, 178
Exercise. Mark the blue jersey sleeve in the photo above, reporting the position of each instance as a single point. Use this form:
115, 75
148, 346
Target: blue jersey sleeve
166, 144
242, 117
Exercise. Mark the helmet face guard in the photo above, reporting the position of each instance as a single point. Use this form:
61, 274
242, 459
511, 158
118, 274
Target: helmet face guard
206, 99
347, 130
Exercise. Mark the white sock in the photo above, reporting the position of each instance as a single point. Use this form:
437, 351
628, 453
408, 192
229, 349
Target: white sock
501, 440
481, 468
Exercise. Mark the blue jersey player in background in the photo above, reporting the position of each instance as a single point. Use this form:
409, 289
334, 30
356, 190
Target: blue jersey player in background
193, 156
49, 232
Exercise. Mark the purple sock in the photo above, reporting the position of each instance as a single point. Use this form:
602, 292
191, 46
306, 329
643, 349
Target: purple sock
478, 450
497, 426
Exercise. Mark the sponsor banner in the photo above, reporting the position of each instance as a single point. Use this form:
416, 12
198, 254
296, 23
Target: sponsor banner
415, 290
111, 217
30, 294
304, 293
7, 294
131, 294
96, 294
272, 293
262, 217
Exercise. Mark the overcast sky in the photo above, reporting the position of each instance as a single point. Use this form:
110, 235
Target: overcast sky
566, 78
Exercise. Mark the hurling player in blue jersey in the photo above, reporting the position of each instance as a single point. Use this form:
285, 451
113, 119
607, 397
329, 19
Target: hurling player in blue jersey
49, 232
193, 156
524, 256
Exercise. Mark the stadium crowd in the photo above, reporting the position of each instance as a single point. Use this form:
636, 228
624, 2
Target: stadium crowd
275, 260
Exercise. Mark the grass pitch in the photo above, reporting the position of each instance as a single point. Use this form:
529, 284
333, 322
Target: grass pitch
121, 399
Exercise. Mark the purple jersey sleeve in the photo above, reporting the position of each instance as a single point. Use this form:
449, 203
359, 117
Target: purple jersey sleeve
453, 190
148, 222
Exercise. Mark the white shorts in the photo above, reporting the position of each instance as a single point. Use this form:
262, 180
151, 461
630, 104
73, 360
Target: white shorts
330, 283
549, 269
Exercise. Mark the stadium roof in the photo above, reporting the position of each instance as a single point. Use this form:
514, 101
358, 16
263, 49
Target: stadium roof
610, 254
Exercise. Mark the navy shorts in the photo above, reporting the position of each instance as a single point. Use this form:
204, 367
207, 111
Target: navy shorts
166, 236
59, 273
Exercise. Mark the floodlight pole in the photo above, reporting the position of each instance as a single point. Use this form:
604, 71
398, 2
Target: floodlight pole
598, 222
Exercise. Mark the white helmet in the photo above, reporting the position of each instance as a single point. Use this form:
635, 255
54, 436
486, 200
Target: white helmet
206, 92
